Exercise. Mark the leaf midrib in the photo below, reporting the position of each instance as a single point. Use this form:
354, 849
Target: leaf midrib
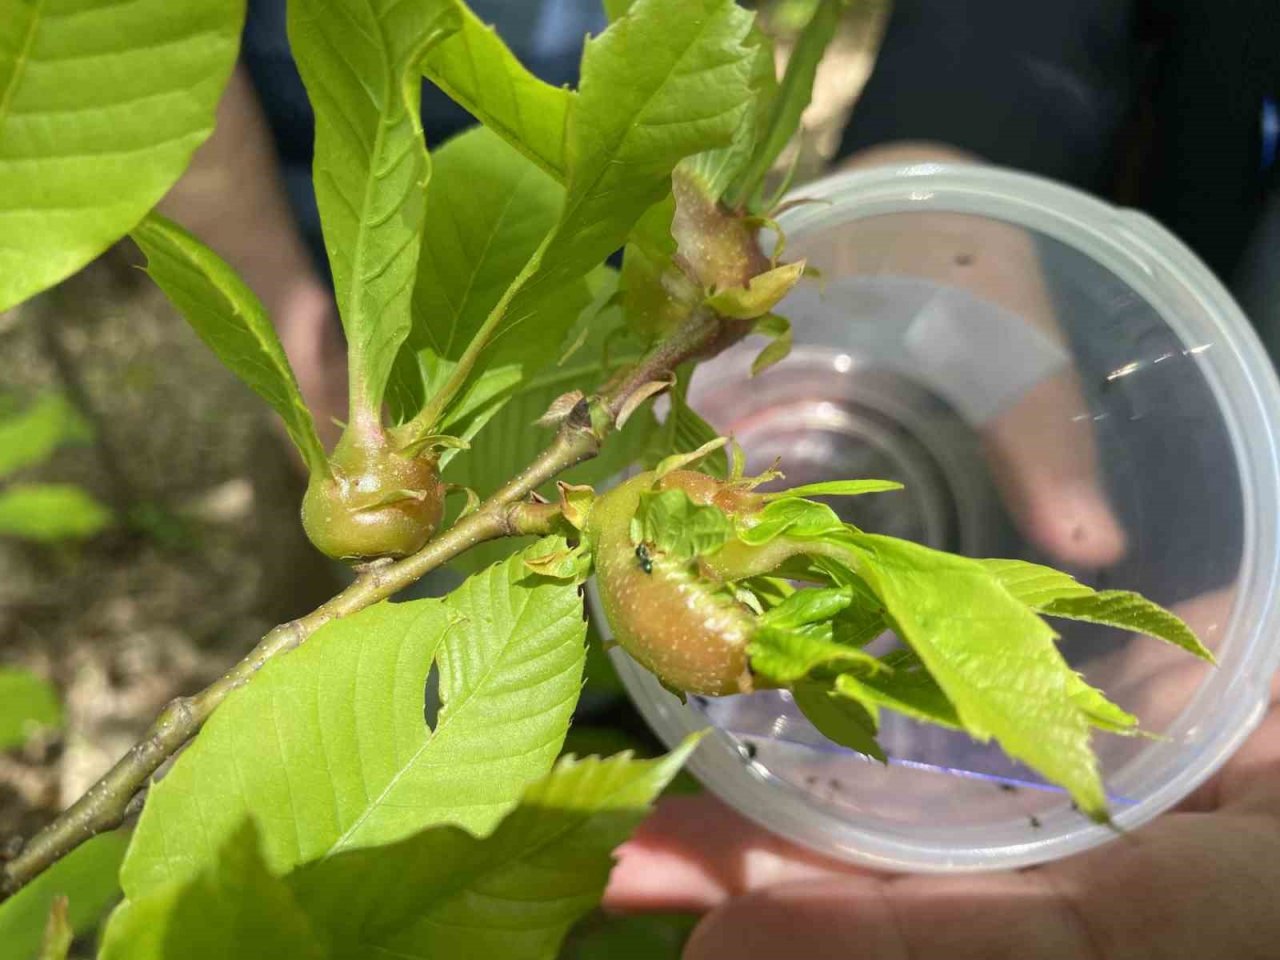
20, 62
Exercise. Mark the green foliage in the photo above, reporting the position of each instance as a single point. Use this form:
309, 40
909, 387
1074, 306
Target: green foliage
58, 934
361, 66
786, 656
717, 170
808, 606
786, 107
328, 751
907, 689
675, 525
50, 512
475, 68
632, 122
795, 518
667, 80
86, 877
684, 431
490, 211
1129, 611
30, 437
101, 108
232, 907
995, 660
1056, 594
230, 319
838, 488
511, 437
28, 704
328, 809
511, 891
841, 720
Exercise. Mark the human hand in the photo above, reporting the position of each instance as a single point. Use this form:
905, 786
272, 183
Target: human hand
1039, 442
1199, 882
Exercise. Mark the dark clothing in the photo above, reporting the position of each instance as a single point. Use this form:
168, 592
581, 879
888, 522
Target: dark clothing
547, 35
1155, 103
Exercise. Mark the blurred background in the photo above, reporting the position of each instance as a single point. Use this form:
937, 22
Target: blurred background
148, 531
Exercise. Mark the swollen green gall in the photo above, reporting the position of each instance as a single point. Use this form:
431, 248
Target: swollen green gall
719, 589
689, 630
377, 501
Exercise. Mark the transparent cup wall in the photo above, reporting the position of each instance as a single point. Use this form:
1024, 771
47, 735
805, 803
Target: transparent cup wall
929, 331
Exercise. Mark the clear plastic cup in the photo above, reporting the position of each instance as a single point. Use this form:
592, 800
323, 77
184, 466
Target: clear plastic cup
954, 299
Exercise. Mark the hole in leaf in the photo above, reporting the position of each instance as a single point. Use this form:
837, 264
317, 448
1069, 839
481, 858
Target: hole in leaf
431, 696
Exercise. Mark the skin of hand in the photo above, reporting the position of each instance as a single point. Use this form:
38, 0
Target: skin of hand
232, 198
1041, 449
1199, 882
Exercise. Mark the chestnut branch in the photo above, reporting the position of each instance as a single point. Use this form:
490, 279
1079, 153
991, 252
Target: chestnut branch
508, 512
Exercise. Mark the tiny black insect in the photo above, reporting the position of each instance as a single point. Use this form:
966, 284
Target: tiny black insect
646, 561
1035, 823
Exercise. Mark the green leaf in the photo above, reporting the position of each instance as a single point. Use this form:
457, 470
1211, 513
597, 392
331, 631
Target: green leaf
327, 748
1129, 611
28, 704
684, 431
1102, 713
995, 660
86, 877
837, 718
1055, 594
490, 210
675, 525
859, 623
797, 519
716, 170
101, 108
30, 437
808, 606
627, 131
512, 894
229, 318
233, 907
361, 67
667, 80
791, 100
477, 70
1033, 584
786, 656
837, 488
553, 557
613, 9
510, 440
58, 934
49, 512
761, 294
778, 330
908, 690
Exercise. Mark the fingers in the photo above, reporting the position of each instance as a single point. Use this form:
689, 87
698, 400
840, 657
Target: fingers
1045, 465
1193, 886
693, 853
999, 915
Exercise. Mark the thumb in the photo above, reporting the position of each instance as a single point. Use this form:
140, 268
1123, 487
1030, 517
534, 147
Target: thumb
1045, 464
923, 918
